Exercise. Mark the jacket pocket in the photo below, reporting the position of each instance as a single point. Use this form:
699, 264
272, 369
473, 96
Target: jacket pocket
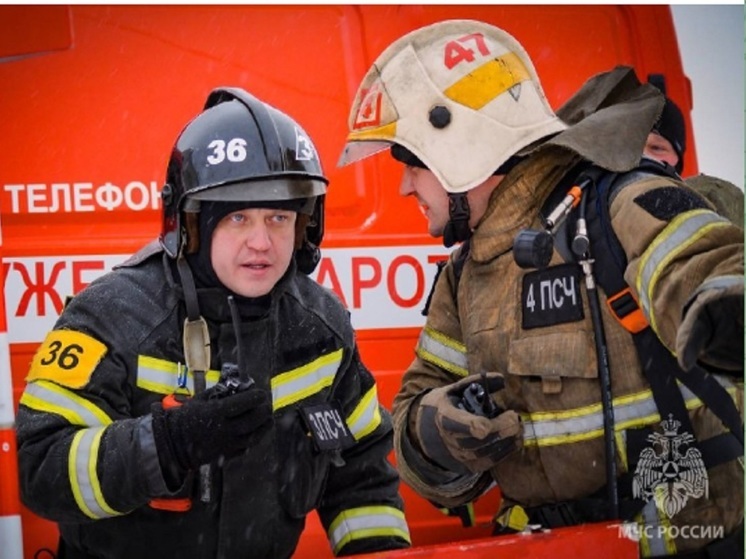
303, 469
552, 358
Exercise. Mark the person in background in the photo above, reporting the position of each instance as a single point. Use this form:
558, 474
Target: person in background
205, 396
667, 142
526, 375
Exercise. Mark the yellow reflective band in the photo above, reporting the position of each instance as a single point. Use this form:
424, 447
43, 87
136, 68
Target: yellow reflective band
386, 132
161, 376
488, 81
366, 416
514, 517
644, 543
84, 482
663, 520
656, 541
300, 383
586, 423
442, 351
683, 231
367, 522
47, 397
621, 445
93, 476
72, 468
67, 358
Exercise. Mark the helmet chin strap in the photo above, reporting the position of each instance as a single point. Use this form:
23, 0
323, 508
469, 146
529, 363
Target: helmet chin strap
196, 338
457, 229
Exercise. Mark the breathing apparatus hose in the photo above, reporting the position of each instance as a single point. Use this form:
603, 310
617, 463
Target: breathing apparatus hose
581, 247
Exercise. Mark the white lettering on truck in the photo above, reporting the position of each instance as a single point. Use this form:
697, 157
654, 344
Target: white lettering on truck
383, 287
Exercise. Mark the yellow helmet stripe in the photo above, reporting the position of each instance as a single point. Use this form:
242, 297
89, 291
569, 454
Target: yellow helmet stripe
385, 132
490, 80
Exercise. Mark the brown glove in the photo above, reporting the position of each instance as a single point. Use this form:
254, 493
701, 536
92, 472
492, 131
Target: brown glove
459, 440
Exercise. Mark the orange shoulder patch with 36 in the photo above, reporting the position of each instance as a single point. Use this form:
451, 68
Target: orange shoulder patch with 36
67, 358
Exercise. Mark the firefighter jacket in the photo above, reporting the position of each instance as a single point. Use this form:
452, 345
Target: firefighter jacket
86, 449
535, 328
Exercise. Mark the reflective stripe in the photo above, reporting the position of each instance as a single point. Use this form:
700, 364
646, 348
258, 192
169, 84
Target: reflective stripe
161, 376
366, 416
581, 424
367, 522
300, 383
683, 231
718, 282
655, 541
490, 80
83, 478
45, 396
11, 536
442, 351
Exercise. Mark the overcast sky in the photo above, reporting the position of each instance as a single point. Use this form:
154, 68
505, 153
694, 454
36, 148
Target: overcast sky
711, 41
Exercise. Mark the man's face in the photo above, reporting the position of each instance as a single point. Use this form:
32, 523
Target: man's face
252, 248
661, 149
430, 194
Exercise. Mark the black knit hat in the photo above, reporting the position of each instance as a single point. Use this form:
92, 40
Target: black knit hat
403, 155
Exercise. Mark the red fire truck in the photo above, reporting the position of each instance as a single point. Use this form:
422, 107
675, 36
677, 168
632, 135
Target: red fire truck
93, 98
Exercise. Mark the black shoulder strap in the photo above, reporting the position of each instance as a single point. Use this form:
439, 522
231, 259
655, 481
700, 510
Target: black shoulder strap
458, 267
659, 366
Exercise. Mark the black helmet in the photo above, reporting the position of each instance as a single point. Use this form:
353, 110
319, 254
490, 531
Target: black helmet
240, 149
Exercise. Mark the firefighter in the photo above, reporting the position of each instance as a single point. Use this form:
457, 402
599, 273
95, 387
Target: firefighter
576, 419
667, 142
205, 396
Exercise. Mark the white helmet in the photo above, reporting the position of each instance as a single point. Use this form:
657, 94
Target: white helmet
462, 96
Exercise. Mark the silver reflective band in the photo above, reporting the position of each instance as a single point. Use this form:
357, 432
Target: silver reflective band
366, 416
302, 382
367, 522
83, 478
442, 351
684, 230
632, 410
716, 283
653, 543
48, 397
161, 376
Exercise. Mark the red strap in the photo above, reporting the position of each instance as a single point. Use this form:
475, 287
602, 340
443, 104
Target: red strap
172, 505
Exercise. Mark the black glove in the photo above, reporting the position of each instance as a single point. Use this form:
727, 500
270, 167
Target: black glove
204, 428
712, 329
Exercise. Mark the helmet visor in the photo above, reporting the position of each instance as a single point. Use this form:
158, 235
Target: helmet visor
262, 190
360, 149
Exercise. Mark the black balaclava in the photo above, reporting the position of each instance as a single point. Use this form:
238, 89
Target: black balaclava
670, 123
671, 126
210, 215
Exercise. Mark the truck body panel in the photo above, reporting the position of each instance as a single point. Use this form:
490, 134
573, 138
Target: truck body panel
94, 97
